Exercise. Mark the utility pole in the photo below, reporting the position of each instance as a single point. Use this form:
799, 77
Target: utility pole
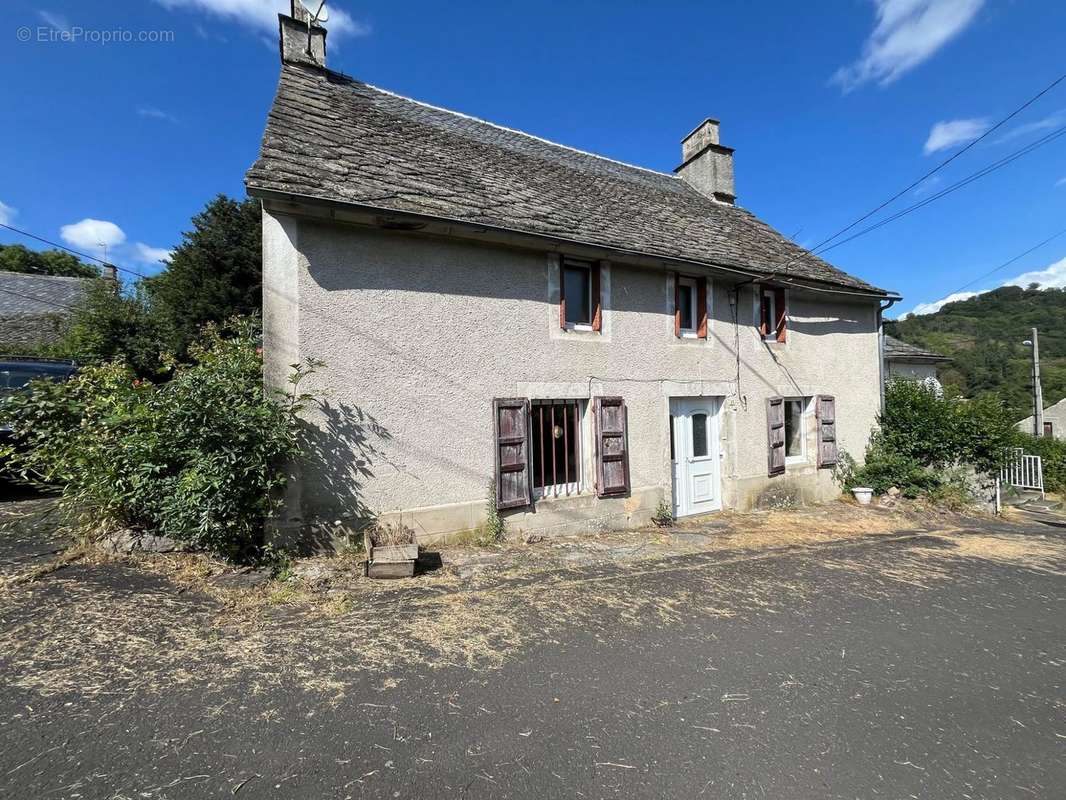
1038, 394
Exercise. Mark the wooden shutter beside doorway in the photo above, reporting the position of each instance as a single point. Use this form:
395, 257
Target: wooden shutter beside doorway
612, 449
775, 435
512, 452
826, 414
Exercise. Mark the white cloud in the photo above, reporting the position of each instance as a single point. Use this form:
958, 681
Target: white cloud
1061, 182
1056, 120
7, 213
1052, 277
262, 15
907, 33
928, 185
92, 233
952, 132
155, 113
936, 305
57, 21
150, 255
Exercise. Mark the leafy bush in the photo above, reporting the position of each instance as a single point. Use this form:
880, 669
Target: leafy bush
197, 458
923, 436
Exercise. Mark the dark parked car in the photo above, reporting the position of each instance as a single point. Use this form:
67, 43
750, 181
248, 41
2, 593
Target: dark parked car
17, 371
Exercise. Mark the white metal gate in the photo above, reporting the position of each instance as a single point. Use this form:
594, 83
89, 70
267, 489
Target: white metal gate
1023, 471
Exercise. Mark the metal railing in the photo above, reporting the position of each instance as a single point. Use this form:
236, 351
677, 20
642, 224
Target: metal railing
1023, 471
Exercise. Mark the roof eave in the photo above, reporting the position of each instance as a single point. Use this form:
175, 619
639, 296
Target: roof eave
540, 240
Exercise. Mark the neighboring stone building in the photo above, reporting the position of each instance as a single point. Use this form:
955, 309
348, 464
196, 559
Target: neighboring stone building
34, 308
583, 337
904, 360
1054, 421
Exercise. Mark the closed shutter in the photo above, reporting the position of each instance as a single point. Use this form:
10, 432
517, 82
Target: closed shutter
612, 450
677, 304
779, 309
597, 300
701, 308
775, 435
512, 452
826, 414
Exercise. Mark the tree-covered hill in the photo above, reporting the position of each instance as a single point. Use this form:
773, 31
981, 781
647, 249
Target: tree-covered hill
984, 335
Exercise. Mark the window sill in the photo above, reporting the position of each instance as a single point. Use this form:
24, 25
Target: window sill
579, 328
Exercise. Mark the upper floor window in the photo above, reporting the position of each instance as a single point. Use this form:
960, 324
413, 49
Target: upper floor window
773, 314
690, 307
579, 295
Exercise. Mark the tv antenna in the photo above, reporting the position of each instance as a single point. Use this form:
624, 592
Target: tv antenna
314, 17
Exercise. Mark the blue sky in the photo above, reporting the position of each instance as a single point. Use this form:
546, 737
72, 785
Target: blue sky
831, 106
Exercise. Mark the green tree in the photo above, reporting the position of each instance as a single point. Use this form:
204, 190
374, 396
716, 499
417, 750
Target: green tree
18, 258
214, 274
107, 323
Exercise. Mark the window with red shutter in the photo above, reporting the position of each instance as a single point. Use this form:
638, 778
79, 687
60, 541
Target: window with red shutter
612, 449
773, 314
580, 290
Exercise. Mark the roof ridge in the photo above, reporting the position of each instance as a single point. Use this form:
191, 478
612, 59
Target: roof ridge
498, 126
38, 276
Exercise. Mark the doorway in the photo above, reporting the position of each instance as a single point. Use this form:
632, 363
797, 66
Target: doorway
695, 455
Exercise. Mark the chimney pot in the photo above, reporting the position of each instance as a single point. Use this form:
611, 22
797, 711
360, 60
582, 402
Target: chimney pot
706, 165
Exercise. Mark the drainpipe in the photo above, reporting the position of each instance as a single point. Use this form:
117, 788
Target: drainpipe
881, 309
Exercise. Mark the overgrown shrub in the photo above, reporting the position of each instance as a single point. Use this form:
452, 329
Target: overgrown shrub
197, 458
1052, 454
923, 436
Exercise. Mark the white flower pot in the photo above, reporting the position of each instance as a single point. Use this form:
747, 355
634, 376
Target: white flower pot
863, 495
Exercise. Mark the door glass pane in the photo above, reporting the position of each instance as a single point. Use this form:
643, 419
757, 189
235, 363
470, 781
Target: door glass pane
576, 286
673, 455
793, 428
684, 299
699, 435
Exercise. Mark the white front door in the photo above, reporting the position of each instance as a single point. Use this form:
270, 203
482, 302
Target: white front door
695, 453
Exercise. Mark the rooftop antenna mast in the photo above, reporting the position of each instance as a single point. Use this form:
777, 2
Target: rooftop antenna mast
321, 15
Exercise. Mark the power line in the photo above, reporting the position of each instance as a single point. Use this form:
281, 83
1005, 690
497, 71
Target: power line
943, 163
71, 250
1058, 133
1007, 263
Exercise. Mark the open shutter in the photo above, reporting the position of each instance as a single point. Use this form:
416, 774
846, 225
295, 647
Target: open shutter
677, 304
779, 309
701, 308
775, 435
512, 452
597, 300
612, 450
826, 414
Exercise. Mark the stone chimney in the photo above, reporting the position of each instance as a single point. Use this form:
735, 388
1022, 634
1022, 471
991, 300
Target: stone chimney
294, 37
707, 166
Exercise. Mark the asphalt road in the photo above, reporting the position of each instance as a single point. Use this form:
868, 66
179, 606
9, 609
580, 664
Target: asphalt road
866, 680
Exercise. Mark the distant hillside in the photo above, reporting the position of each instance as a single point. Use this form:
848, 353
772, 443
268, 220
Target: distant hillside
984, 336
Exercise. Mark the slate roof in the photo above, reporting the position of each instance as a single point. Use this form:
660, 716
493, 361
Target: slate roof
901, 351
22, 294
333, 138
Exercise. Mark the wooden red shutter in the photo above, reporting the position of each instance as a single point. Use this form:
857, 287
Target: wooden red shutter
512, 452
775, 435
763, 332
826, 414
562, 294
597, 304
612, 450
779, 309
701, 308
677, 304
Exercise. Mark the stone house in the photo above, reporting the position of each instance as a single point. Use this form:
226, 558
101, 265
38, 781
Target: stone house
1054, 421
498, 313
903, 360
35, 309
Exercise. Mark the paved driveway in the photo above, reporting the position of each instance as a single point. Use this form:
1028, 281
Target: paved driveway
925, 665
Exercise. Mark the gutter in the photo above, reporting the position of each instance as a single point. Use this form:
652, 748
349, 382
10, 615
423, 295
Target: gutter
411, 220
881, 309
